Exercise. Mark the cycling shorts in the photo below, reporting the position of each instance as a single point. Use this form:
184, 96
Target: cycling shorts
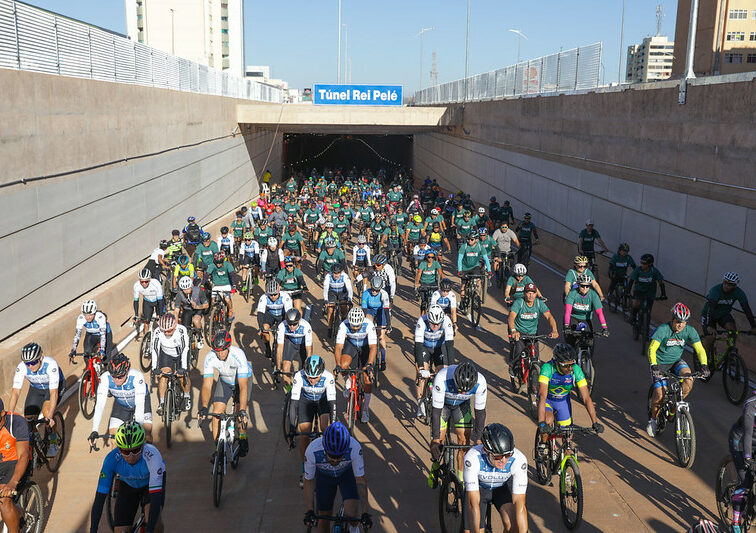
459, 415
148, 308
475, 271
187, 315
439, 356
272, 321
36, 397
223, 392
168, 361
292, 350
379, 316
562, 409
247, 260
496, 497
121, 414
676, 368
326, 486
309, 409
727, 319
341, 296
361, 353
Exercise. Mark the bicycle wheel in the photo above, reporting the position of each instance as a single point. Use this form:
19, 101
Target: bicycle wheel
87, 395
285, 420
475, 310
451, 505
168, 416
685, 438
571, 493
644, 332
217, 320
53, 463
218, 471
111, 500
207, 329
586, 364
483, 288
542, 464
735, 378
726, 483
145, 355
193, 350
533, 386
351, 410
515, 380
32, 516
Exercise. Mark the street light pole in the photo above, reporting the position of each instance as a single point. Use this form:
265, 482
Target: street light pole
622, 44
422, 31
338, 55
467, 49
173, 36
520, 35
346, 50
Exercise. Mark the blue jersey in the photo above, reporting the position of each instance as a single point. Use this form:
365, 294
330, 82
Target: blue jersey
372, 301
148, 471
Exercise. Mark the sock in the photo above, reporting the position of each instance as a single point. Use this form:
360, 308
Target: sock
366, 402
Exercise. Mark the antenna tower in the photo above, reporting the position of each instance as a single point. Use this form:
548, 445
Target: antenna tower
659, 18
434, 71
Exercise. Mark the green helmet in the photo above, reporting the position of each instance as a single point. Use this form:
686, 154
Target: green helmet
249, 235
130, 435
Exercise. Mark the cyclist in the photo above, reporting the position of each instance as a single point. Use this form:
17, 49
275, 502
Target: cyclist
312, 393
496, 474
152, 297
446, 298
191, 303
743, 448
337, 290
294, 338
586, 241
156, 263
453, 388
357, 340
464, 226
170, 353
428, 276
249, 256
377, 231
468, 262
645, 277
221, 273
665, 354
131, 397
523, 320
174, 245
141, 480
329, 257
255, 214
329, 233
225, 242
412, 234
487, 242
292, 281
360, 256
376, 303
434, 343
239, 227
234, 373
582, 303
571, 278
271, 259
335, 461
206, 250
515, 288
278, 219
292, 243
383, 269
558, 377
480, 220
46, 386
618, 265
263, 232
270, 312
14, 462
717, 310
99, 337
503, 237
527, 233
192, 234
506, 214
183, 268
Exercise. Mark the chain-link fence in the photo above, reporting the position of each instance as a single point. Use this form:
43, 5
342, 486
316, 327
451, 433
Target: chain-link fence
579, 68
40, 41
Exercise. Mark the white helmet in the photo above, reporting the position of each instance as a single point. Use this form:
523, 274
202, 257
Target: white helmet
520, 269
361, 239
89, 307
481, 210
329, 225
356, 317
435, 314
272, 242
434, 211
185, 283
732, 277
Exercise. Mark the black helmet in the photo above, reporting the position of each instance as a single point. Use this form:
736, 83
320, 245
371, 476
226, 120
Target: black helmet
163, 244
376, 283
293, 316
337, 267
465, 376
224, 229
446, 284
221, 340
647, 258
564, 352
119, 365
497, 439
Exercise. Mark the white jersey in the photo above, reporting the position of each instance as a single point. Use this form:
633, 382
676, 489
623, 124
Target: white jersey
226, 243
156, 255
430, 338
420, 251
316, 460
480, 474
445, 390
302, 388
131, 395
47, 377
337, 284
98, 326
302, 334
177, 345
251, 249
447, 302
235, 366
364, 335
361, 255
274, 308
151, 293
389, 276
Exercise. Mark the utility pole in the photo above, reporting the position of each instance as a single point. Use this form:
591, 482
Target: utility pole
422, 31
622, 44
434, 71
520, 35
467, 49
338, 54
659, 19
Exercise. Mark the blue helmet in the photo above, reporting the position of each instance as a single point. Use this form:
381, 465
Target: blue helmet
336, 439
190, 219
205, 236
493, 199
314, 366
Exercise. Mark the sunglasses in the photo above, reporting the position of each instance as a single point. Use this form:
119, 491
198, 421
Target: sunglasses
334, 457
500, 457
32, 363
566, 366
132, 452
584, 286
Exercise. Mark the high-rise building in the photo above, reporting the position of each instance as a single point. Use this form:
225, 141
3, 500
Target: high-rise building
725, 37
209, 32
651, 60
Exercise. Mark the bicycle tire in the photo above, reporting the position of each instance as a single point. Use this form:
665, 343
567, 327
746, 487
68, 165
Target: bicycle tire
86, 400
218, 468
53, 463
571, 491
515, 380
32, 517
726, 483
206, 327
644, 326
235, 460
111, 500
217, 321
145, 355
285, 420
351, 411
194, 351
533, 386
542, 465
451, 514
735, 378
660, 420
685, 438
586, 365
475, 309
483, 288
168, 416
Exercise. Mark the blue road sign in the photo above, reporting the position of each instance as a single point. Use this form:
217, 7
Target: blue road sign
333, 94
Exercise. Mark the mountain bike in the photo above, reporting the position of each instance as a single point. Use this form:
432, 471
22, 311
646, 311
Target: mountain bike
356, 395
41, 444
505, 269
395, 260
218, 318
730, 362
726, 483
618, 300
674, 408
173, 403
30, 506
584, 352
195, 335
471, 303
88, 383
554, 457
525, 370
642, 324
592, 264
226, 451
424, 293
451, 497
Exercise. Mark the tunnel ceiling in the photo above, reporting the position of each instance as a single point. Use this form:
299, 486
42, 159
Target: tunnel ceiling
305, 151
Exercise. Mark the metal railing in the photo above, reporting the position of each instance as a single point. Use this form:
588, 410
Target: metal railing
570, 70
40, 41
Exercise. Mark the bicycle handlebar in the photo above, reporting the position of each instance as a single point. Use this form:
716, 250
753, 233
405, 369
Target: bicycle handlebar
93, 443
570, 430
734, 332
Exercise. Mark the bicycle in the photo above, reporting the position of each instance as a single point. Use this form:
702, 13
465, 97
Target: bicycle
356, 395
40, 445
395, 260
642, 324
562, 459
584, 351
505, 269
336, 318
145, 348
675, 408
592, 264
28, 501
526, 370
726, 483
341, 522
227, 446
524, 252
218, 318
287, 402
195, 334
173, 403
88, 383
618, 300
451, 498
424, 293
730, 362
427, 398
472, 302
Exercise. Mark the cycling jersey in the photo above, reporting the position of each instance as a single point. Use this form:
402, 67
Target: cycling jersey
205, 253
667, 347
572, 274
229, 371
447, 302
340, 225
249, 249
719, 303
98, 326
303, 388
177, 345
470, 256
361, 255
618, 265
464, 227
133, 394
262, 236
445, 391
582, 307
429, 273
645, 281
48, 376
588, 239
302, 334
272, 260
316, 461
291, 281
420, 251
292, 242
147, 472
400, 219
174, 249
526, 231
414, 231
239, 226
372, 301
221, 277
526, 321
518, 286
178, 272
364, 335
430, 338
310, 216
226, 244
198, 296
275, 307
337, 284
151, 293
480, 474
560, 385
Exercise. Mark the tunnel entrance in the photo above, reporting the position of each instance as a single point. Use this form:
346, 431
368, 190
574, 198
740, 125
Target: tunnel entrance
303, 151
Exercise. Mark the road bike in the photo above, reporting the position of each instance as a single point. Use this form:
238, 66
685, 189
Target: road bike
674, 408
195, 335
88, 383
356, 395
40, 443
395, 260
451, 497
471, 302
552, 457
145, 348
584, 351
424, 293
30, 506
731, 364
218, 318
427, 398
173, 403
226, 451
336, 319
525, 370
726, 484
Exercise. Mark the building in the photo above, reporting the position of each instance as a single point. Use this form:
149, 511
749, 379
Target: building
258, 72
725, 38
209, 32
650, 61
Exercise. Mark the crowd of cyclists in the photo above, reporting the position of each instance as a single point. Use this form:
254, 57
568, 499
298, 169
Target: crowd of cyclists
358, 234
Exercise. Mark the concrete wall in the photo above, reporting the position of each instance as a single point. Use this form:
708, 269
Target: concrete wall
62, 237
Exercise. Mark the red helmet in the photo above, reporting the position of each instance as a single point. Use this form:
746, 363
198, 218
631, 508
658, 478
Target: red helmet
219, 257
681, 312
167, 322
221, 340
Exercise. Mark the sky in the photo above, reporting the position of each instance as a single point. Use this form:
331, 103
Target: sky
299, 38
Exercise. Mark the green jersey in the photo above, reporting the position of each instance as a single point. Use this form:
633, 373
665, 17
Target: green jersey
205, 253
365, 213
311, 216
464, 227
262, 236
572, 275
293, 242
291, 209
239, 226
671, 344
393, 196
724, 301
645, 281
378, 229
470, 256
429, 273
329, 260
429, 221
618, 265
291, 185
518, 289
290, 281
560, 385
340, 225
589, 239
220, 276
414, 231
505, 213
583, 307
394, 238
526, 319
525, 231
401, 220
488, 245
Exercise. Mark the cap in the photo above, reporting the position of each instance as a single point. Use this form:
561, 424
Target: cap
530, 287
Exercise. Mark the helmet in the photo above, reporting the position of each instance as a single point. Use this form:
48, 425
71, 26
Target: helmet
254, 203
434, 211
481, 210
361, 239
473, 234
580, 259
288, 260
183, 260
563, 352
119, 365
89, 307
31, 352
145, 274
219, 257
190, 219
483, 231
681, 312
272, 242
185, 283
584, 279
330, 243
589, 222
167, 322
497, 439
506, 202
379, 259
647, 258
417, 219
341, 213
527, 216
446, 284
130, 435
530, 287
163, 244
623, 246
336, 439
314, 366
703, 526
249, 235
337, 268
731, 277
224, 229
206, 236
376, 283
271, 287
467, 213
329, 225
221, 340
293, 316
520, 269
356, 316
492, 199
465, 376
435, 314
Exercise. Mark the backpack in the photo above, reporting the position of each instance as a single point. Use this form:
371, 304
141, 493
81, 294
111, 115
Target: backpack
193, 233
